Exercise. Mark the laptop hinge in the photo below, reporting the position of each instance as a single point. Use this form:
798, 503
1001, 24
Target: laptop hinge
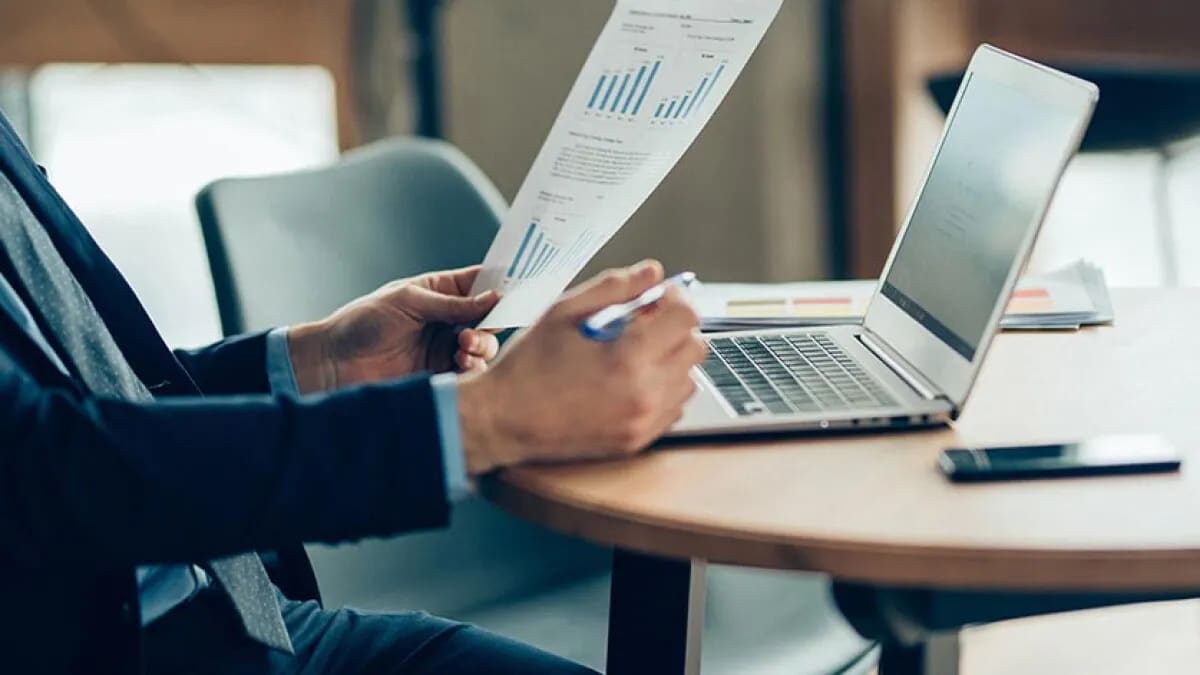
911, 377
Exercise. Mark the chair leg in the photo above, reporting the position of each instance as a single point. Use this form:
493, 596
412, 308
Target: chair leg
940, 655
1165, 220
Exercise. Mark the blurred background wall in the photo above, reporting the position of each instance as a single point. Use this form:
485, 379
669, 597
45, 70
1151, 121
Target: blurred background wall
746, 203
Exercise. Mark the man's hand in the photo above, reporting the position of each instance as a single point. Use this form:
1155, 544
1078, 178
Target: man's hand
403, 328
555, 396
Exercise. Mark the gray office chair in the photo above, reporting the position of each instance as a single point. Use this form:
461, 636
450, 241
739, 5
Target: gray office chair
294, 247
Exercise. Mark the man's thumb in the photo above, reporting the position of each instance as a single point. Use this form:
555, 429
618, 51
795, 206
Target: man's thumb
439, 308
611, 288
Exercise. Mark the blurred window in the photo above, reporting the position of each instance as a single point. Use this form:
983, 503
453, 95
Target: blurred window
1105, 212
129, 147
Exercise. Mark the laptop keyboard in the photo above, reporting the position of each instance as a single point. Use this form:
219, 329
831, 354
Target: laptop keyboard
790, 374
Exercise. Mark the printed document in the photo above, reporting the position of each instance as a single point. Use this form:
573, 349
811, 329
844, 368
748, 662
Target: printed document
654, 79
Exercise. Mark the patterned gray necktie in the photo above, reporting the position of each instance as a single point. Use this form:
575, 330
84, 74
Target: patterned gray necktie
87, 344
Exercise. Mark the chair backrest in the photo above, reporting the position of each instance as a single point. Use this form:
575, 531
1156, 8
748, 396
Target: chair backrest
387, 211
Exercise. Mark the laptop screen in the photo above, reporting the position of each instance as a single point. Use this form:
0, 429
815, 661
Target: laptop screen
999, 160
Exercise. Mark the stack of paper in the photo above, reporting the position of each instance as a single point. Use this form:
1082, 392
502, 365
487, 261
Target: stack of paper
1067, 299
1063, 300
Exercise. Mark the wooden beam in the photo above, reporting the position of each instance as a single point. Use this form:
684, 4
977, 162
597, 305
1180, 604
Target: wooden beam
871, 132
265, 32
1104, 30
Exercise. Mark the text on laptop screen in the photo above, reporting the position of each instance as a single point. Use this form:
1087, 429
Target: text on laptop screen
999, 161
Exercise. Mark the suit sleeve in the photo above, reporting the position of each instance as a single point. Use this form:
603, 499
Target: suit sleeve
234, 366
109, 484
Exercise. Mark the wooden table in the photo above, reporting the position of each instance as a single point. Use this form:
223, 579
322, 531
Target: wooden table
915, 556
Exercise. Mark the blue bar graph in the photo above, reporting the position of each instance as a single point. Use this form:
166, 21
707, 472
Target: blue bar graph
545, 263
596, 94
537, 263
535, 255
715, 78
682, 104
633, 92
512, 270
621, 92
612, 84
699, 93
537, 249
645, 90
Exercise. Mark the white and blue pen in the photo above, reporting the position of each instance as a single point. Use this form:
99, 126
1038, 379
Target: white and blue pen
610, 323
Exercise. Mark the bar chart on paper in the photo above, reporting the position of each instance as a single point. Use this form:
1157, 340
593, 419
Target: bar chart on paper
536, 252
682, 105
541, 252
621, 91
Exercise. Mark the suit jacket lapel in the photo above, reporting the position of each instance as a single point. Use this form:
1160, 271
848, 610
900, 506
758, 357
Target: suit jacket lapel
31, 353
35, 353
114, 300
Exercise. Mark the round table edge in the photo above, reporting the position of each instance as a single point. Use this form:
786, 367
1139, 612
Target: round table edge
871, 563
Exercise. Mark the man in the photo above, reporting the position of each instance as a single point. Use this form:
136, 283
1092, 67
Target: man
136, 483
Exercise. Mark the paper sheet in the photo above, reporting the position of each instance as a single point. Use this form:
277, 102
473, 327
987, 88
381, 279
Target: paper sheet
819, 303
653, 81
1060, 293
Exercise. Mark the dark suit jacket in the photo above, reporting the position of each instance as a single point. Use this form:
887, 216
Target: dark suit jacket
91, 488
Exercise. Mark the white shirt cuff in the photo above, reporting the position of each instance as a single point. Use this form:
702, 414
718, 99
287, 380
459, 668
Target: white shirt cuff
454, 461
280, 374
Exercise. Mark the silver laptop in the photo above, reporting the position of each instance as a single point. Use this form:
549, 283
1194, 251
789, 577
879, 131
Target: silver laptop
1009, 137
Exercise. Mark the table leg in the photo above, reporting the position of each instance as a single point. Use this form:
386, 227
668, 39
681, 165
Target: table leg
938, 655
656, 616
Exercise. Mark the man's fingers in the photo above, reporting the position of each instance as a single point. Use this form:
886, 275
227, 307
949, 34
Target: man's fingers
431, 306
470, 364
676, 367
610, 288
454, 282
686, 391
685, 354
672, 409
662, 328
677, 399
479, 343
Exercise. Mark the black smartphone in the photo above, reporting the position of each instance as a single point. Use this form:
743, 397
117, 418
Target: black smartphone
1114, 455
